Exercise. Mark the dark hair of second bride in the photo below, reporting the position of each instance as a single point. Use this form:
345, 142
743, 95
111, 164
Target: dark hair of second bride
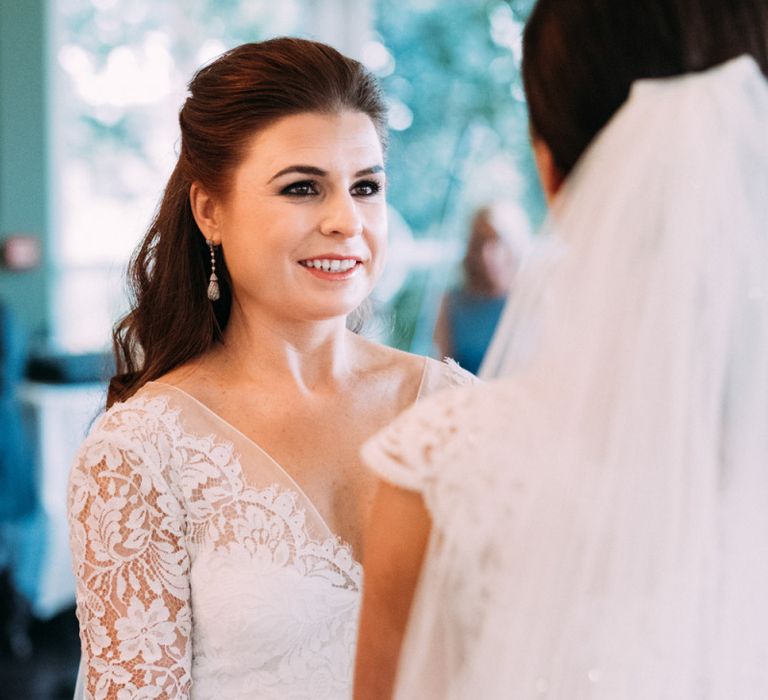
247, 89
580, 57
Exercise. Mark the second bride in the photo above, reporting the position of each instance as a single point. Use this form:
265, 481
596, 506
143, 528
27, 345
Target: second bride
217, 507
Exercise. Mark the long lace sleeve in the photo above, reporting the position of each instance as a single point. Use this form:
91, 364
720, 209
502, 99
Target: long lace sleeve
132, 570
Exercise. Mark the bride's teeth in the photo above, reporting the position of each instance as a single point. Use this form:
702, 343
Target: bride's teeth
334, 265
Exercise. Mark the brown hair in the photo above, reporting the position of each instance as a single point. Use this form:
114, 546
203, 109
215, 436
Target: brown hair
580, 57
245, 90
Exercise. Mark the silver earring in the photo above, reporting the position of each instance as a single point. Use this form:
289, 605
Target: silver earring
213, 282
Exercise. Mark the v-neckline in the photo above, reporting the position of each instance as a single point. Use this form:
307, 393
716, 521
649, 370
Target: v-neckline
255, 445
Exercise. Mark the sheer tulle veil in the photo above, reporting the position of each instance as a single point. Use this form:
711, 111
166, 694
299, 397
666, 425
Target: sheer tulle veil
637, 346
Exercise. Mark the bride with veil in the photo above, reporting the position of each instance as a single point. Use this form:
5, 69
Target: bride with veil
593, 523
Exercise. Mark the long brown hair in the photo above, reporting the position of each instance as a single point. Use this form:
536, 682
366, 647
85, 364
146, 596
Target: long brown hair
245, 90
580, 57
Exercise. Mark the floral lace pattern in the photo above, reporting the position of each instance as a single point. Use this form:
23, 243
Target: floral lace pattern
161, 525
193, 583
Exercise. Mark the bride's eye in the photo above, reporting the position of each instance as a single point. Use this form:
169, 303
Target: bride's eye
304, 188
366, 188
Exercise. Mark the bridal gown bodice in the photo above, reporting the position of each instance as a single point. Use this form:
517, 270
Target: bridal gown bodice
203, 570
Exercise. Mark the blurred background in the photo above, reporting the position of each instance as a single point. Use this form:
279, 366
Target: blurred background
89, 96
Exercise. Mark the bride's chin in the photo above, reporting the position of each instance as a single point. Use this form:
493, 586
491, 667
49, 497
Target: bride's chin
341, 314
321, 313
336, 309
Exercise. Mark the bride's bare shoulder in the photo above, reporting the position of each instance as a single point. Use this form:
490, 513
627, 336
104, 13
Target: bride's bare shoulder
426, 373
193, 377
377, 357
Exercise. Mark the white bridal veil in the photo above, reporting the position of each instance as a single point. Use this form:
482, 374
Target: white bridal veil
635, 564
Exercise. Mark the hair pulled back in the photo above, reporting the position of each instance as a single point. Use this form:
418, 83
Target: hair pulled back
243, 91
580, 57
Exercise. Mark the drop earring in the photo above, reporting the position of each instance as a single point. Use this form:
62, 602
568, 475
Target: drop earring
213, 281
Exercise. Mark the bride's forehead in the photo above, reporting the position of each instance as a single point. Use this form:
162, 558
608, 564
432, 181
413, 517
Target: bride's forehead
315, 132
334, 144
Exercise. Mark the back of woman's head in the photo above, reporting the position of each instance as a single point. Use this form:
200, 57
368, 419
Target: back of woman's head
230, 100
580, 57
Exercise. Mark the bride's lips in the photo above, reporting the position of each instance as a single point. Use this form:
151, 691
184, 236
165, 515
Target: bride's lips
332, 266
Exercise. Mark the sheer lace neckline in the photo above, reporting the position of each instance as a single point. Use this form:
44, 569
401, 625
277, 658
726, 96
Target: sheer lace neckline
164, 386
254, 445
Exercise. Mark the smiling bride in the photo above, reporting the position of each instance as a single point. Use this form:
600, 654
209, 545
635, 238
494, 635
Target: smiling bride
217, 508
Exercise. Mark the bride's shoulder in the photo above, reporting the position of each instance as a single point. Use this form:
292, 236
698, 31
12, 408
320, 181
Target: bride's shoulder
424, 374
434, 433
135, 421
444, 374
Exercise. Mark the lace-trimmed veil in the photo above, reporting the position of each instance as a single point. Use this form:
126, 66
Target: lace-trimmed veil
645, 575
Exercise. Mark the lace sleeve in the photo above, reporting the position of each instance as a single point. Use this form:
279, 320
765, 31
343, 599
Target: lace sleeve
132, 570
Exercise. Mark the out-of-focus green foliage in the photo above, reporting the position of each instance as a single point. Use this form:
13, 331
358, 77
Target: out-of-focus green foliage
456, 69
459, 136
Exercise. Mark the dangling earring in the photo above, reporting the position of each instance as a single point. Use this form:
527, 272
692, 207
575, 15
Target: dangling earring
213, 282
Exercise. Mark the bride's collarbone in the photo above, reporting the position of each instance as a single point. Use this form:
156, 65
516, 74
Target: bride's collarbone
315, 438
309, 439
313, 429
340, 418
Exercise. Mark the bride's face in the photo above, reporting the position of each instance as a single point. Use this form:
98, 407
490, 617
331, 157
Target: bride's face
303, 227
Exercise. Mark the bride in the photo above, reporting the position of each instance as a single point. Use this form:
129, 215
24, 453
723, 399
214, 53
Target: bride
594, 523
216, 509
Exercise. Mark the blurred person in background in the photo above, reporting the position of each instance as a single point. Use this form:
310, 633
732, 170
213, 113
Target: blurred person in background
498, 241
593, 525
216, 509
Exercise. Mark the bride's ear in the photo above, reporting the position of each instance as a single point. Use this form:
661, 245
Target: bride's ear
206, 212
550, 175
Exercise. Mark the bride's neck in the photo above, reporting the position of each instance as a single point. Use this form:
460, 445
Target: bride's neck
309, 355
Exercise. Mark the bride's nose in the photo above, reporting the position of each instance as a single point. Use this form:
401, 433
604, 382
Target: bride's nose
341, 217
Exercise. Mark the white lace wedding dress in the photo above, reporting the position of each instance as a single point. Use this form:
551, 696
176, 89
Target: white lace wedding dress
203, 570
599, 519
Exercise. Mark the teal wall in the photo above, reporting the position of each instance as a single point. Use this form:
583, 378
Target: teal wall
24, 180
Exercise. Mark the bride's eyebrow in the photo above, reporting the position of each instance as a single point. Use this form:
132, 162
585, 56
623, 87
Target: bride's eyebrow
370, 171
319, 172
301, 169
